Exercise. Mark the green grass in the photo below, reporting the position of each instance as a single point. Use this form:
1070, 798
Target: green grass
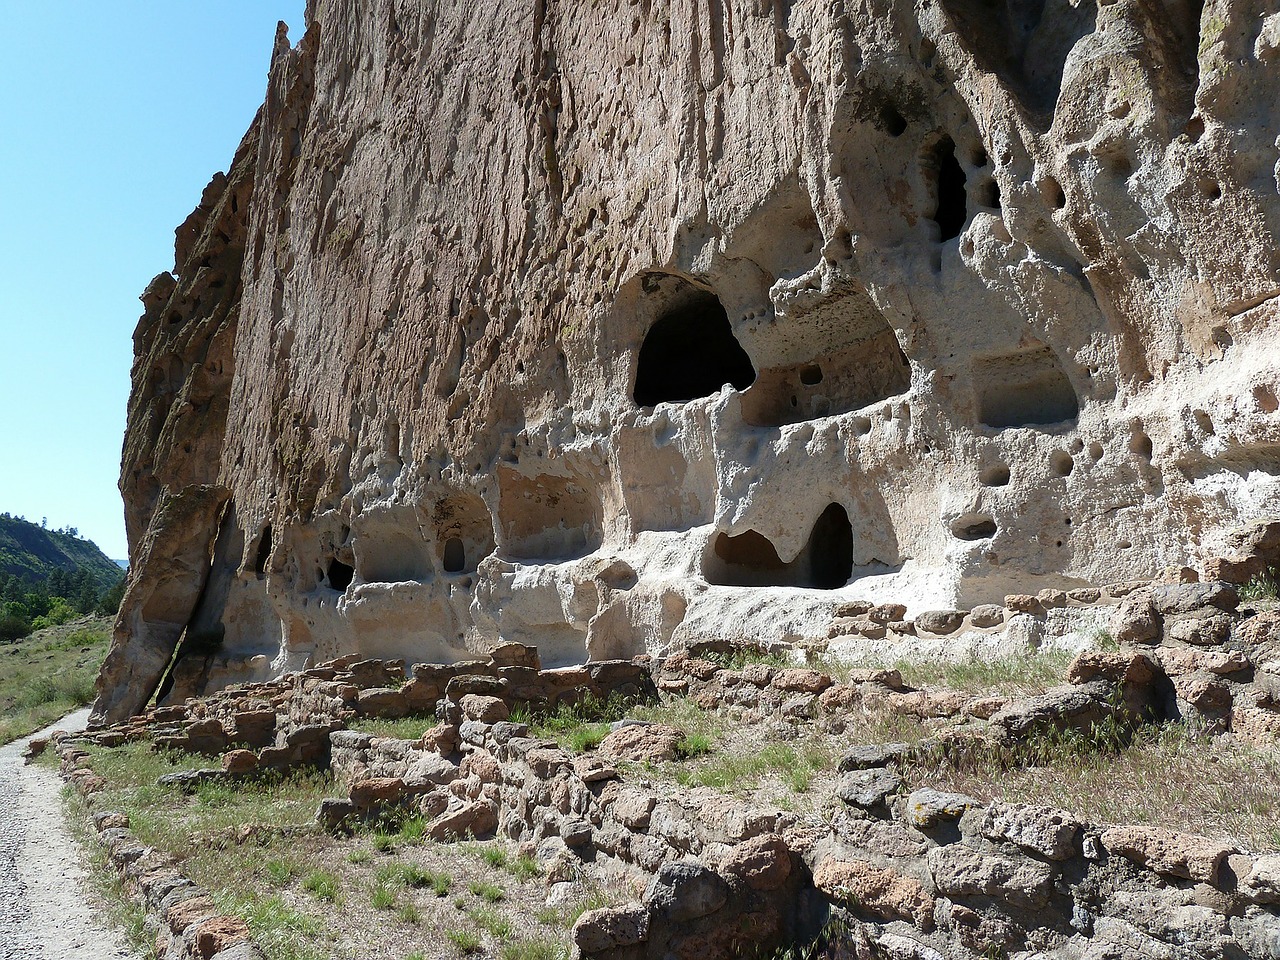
577, 727
1260, 587
694, 745
524, 868
382, 897
242, 878
281, 872
48, 674
419, 878
359, 855
282, 932
413, 830
1019, 674
405, 728
489, 892
748, 767
586, 737
409, 914
492, 922
467, 941
324, 884
535, 950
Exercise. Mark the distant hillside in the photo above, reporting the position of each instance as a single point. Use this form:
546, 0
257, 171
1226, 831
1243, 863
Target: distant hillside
32, 553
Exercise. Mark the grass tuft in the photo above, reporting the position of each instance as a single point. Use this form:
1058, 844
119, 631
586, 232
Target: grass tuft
489, 892
467, 941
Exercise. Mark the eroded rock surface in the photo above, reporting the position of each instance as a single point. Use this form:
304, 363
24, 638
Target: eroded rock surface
608, 327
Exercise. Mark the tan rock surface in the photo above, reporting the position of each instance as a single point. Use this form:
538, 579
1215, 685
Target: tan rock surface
600, 329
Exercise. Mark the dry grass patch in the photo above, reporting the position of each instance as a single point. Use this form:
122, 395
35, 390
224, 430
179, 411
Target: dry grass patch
1165, 777
1012, 676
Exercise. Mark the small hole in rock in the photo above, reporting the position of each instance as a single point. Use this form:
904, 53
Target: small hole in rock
1204, 422
1095, 450
893, 122
973, 526
1195, 129
1062, 463
989, 195
997, 476
1265, 398
1052, 192
811, 375
861, 426
1140, 444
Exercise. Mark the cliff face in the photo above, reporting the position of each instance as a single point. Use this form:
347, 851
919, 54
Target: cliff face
600, 326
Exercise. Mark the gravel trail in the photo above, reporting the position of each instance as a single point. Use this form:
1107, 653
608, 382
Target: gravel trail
46, 911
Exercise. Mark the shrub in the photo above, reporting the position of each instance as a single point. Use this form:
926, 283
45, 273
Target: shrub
1261, 586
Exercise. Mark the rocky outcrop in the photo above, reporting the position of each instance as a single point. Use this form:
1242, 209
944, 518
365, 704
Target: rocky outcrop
607, 329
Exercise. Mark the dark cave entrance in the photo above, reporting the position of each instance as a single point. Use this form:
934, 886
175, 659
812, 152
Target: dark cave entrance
691, 352
455, 555
751, 560
340, 575
831, 549
952, 210
264, 553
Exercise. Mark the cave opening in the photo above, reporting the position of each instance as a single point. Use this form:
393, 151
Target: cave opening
455, 556
691, 352
751, 560
952, 212
831, 549
264, 552
339, 574
1025, 388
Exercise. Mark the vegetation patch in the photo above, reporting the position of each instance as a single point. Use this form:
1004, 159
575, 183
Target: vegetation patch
48, 674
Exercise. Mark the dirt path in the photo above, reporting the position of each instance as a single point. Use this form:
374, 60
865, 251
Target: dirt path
46, 912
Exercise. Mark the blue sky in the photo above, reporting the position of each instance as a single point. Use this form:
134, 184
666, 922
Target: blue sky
113, 117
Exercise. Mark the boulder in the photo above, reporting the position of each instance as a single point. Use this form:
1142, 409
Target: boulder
1019, 881
940, 622
686, 890
762, 863
881, 892
652, 743
611, 928
1169, 853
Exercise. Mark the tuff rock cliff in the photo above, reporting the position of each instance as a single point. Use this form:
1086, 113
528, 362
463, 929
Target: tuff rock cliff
604, 326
